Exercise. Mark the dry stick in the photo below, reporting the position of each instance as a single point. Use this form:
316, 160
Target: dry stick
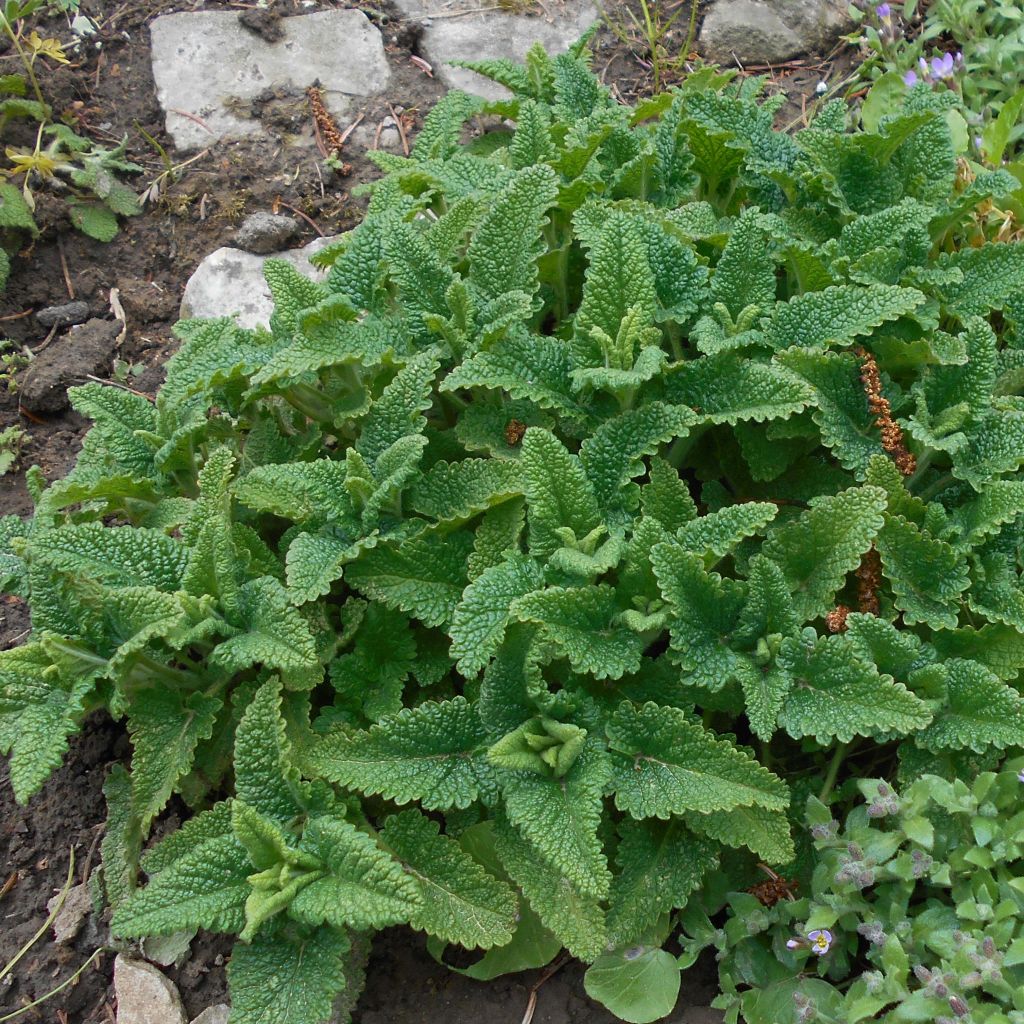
192, 117
64, 268
49, 338
16, 316
309, 220
401, 130
462, 14
531, 1004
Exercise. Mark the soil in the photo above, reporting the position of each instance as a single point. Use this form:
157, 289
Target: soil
109, 93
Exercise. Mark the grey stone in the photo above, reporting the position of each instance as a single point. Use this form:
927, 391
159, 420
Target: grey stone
144, 995
490, 34
205, 61
217, 1014
69, 360
72, 915
767, 31
230, 282
63, 316
266, 232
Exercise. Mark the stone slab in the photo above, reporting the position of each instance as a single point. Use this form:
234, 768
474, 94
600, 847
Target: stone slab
230, 282
768, 31
145, 995
491, 34
204, 60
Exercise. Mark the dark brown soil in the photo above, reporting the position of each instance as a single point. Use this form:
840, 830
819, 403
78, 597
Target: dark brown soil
110, 92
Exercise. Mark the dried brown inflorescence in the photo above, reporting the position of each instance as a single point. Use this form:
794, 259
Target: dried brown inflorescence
892, 433
328, 131
836, 619
514, 431
869, 579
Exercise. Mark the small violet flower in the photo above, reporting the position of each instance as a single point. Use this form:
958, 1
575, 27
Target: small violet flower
910, 79
883, 10
819, 941
943, 67
1020, 776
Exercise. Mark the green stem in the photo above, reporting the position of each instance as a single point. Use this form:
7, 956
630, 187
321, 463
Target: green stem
26, 61
833, 771
53, 991
691, 30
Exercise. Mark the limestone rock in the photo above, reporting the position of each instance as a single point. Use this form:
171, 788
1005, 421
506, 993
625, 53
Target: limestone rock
144, 995
265, 232
205, 61
230, 282
72, 915
69, 360
482, 36
217, 1014
766, 31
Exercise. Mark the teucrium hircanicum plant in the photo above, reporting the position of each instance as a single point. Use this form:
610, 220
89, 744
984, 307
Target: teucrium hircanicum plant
632, 473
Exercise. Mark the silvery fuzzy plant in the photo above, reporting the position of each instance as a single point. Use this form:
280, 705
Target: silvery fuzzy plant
632, 473
914, 912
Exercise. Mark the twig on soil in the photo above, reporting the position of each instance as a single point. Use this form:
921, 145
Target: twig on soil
11, 882
309, 220
53, 991
192, 117
46, 341
531, 1005
425, 66
16, 316
462, 14
87, 864
401, 130
64, 268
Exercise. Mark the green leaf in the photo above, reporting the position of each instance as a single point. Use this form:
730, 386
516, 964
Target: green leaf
836, 695
505, 247
433, 753
638, 985
205, 887
580, 622
459, 490
926, 574
991, 273
660, 865
288, 975
745, 273
763, 831
558, 493
560, 816
981, 711
817, 550
575, 917
719, 532
764, 692
364, 886
166, 727
93, 219
479, 622
666, 764
838, 315
462, 902
42, 701
424, 576
705, 611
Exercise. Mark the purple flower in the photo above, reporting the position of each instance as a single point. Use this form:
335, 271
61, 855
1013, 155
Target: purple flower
883, 10
910, 79
942, 67
923, 65
793, 943
820, 940
1020, 774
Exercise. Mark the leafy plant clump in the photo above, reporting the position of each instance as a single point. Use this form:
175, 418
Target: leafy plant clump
632, 475
918, 897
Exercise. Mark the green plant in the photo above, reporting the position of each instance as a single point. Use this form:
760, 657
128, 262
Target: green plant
504, 582
12, 360
651, 34
917, 900
988, 38
86, 173
11, 440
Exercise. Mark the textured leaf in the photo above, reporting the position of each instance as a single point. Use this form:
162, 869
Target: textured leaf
560, 816
399, 410
719, 532
364, 887
579, 621
817, 550
424, 576
745, 272
837, 695
838, 314
666, 764
479, 622
981, 711
666, 497
660, 864
461, 902
764, 832
205, 887
926, 574
458, 490
991, 273
288, 975
166, 727
433, 753
558, 493
764, 692
505, 248
705, 611
299, 491
575, 917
